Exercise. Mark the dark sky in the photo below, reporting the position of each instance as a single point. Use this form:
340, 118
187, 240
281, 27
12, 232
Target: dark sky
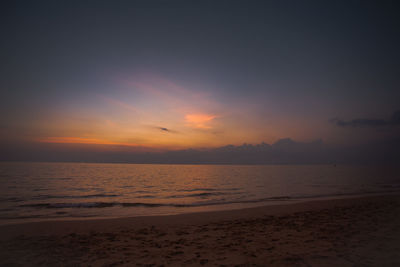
181, 74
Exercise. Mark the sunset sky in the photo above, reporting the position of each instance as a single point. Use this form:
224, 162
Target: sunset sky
168, 75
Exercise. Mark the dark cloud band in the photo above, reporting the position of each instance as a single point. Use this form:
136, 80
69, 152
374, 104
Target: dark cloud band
373, 123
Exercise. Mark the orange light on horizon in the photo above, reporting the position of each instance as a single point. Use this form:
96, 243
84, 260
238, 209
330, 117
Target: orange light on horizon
81, 140
154, 147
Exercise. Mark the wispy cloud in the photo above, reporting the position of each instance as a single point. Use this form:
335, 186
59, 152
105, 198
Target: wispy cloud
119, 103
172, 95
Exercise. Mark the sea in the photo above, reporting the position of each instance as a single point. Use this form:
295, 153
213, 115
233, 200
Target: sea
59, 191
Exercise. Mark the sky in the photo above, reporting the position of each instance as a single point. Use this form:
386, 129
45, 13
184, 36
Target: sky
175, 75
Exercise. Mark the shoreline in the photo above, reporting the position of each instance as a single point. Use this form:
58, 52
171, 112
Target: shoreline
276, 209
234, 206
347, 231
226, 207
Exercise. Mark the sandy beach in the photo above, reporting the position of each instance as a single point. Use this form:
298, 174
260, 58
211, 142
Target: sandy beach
363, 231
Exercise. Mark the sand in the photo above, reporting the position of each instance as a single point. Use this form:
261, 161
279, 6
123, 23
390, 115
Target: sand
362, 231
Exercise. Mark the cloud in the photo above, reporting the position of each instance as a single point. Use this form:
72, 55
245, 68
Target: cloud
170, 94
118, 103
395, 119
360, 123
164, 129
199, 120
367, 122
284, 151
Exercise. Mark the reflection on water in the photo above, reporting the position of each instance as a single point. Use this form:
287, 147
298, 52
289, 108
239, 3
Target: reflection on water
80, 190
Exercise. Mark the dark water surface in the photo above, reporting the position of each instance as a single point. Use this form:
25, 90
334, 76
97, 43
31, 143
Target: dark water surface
40, 191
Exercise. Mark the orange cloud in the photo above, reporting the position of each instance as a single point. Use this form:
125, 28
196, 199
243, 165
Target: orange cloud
199, 120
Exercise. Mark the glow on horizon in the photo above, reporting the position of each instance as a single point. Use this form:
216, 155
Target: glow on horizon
81, 140
154, 113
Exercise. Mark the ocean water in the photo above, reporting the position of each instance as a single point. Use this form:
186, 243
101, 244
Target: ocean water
42, 191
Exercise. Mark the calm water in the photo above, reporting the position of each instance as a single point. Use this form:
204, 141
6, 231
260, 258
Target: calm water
39, 191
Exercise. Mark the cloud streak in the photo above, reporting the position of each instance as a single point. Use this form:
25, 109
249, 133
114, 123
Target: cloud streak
368, 122
164, 129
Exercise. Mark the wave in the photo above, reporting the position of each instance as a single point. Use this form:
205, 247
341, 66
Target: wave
142, 204
146, 196
396, 186
45, 216
40, 189
43, 197
70, 205
143, 192
89, 205
196, 189
204, 194
207, 189
39, 197
194, 204
11, 199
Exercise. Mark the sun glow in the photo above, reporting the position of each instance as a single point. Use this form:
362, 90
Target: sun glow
156, 114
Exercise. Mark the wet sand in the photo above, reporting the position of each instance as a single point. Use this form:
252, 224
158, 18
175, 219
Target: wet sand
362, 231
